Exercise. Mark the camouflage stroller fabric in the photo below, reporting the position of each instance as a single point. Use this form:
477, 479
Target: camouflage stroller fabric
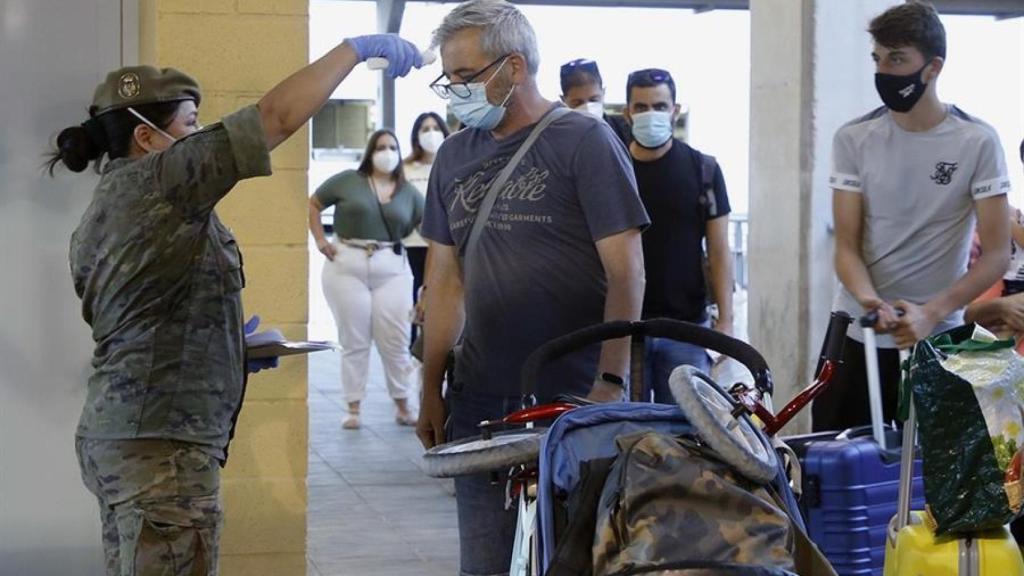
666, 505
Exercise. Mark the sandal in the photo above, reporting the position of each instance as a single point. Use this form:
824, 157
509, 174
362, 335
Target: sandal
352, 422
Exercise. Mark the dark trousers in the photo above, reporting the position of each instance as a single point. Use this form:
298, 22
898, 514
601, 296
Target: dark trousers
486, 530
418, 263
844, 404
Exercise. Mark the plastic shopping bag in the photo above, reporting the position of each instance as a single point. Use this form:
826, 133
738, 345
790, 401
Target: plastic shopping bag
968, 391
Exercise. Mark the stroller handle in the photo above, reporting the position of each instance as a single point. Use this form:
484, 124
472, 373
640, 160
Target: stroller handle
660, 328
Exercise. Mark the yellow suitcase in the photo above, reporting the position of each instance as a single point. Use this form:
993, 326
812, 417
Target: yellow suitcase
915, 551
912, 549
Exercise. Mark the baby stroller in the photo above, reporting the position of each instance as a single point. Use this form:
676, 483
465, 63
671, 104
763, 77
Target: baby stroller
548, 466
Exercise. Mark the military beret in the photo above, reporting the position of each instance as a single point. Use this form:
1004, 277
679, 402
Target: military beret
138, 85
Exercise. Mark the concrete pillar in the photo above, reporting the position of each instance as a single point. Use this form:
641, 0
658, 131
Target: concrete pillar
237, 50
811, 71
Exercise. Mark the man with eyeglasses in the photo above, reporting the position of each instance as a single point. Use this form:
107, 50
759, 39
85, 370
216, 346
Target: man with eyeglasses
561, 250
583, 91
685, 196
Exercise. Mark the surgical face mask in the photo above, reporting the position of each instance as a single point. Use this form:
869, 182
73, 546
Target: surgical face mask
431, 140
900, 92
652, 129
151, 125
595, 109
475, 111
385, 160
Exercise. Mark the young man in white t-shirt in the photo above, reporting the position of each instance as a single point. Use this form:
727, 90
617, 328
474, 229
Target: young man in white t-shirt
909, 181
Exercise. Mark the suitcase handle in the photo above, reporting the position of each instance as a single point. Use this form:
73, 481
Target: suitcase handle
906, 460
888, 456
867, 322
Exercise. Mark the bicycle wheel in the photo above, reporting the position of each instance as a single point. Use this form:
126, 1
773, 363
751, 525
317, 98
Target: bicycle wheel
475, 455
710, 410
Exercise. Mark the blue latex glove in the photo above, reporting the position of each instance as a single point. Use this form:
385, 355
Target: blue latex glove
251, 324
401, 54
253, 366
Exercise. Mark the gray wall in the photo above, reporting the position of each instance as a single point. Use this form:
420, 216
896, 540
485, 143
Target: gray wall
810, 72
52, 55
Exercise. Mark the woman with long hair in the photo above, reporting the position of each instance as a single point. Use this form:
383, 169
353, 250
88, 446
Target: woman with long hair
366, 277
428, 133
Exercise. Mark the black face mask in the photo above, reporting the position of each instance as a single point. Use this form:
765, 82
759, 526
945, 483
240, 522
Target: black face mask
900, 92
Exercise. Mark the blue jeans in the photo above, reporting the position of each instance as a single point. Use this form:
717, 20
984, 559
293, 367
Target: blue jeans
661, 357
486, 529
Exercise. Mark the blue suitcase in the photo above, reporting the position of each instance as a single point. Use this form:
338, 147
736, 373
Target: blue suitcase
849, 491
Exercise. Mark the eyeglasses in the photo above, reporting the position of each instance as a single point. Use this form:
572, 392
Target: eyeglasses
650, 74
460, 89
584, 64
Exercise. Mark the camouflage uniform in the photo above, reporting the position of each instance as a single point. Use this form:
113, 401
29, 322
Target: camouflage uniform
159, 504
160, 279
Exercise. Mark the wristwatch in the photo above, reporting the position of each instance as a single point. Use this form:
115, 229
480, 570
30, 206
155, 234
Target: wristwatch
609, 378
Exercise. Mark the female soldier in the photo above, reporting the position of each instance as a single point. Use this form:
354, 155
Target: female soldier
160, 279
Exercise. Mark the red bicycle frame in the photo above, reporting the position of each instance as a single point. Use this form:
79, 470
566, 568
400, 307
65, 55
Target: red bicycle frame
750, 401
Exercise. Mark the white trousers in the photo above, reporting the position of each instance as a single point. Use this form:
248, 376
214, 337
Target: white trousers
371, 298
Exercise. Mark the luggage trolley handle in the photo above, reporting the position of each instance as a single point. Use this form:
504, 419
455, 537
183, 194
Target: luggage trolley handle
906, 457
661, 328
867, 323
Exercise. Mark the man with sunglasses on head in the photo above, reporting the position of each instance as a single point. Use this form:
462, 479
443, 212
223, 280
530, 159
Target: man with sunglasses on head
560, 250
583, 91
685, 196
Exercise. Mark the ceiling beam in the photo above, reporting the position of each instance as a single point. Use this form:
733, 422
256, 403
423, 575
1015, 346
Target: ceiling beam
998, 8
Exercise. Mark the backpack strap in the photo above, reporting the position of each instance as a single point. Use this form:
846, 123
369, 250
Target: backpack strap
708, 167
808, 558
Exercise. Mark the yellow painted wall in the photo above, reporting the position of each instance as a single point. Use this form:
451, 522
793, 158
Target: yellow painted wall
237, 50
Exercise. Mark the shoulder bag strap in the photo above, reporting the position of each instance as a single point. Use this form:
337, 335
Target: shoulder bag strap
483, 214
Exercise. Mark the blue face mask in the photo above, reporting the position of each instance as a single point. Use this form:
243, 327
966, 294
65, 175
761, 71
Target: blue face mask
652, 129
475, 111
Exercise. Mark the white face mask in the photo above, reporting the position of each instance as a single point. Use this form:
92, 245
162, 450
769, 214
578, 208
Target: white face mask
385, 160
151, 125
475, 111
595, 109
431, 140
652, 129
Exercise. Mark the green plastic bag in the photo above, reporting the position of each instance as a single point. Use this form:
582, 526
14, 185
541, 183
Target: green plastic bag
968, 390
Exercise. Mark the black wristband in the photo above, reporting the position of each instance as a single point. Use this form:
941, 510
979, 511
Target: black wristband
609, 378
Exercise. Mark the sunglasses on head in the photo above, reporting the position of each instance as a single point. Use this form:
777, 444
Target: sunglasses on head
651, 74
570, 68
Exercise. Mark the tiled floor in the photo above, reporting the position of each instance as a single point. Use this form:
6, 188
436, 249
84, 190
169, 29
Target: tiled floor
372, 511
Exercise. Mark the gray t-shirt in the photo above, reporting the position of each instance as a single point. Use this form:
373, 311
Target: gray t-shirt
919, 191
356, 211
535, 274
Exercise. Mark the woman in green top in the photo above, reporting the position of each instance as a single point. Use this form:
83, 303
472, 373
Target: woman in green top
366, 279
160, 280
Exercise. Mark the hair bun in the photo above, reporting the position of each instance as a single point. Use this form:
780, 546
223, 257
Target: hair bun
78, 145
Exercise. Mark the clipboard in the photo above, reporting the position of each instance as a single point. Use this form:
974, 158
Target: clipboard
270, 343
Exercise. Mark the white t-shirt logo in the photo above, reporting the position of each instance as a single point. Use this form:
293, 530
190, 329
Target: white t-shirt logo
944, 173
